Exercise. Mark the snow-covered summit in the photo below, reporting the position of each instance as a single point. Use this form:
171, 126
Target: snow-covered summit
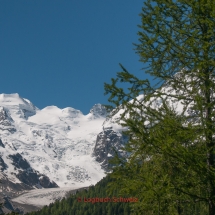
15, 100
71, 112
98, 110
57, 143
19, 107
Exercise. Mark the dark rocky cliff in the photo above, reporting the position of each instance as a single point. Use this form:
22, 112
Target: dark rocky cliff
107, 142
28, 175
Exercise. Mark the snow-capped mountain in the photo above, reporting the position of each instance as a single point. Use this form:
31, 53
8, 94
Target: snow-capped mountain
53, 145
51, 148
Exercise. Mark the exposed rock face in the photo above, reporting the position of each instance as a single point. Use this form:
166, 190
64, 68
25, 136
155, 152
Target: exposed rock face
28, 175
34, 178
3, 165
106, 143
19, 161
26, 113
9, 190
6, 122
8, 206
45, 182
7, 203
98, 110
1, 144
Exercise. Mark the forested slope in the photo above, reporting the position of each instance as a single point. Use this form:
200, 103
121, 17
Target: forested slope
76, 204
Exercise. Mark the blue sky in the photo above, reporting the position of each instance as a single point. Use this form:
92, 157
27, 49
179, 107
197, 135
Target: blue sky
60, 52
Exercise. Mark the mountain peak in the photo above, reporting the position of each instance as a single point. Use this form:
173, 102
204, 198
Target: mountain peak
98, 110
10, 95
5, 96
13, 99
16, 104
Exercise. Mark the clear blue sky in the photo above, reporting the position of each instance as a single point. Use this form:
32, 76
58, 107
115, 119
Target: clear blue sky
60, 52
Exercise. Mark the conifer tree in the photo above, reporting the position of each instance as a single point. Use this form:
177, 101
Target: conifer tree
170, 124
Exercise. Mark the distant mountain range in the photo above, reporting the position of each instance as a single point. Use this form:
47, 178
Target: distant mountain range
52, 147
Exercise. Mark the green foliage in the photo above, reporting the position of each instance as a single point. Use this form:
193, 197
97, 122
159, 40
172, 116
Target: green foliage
13, 213
71, 205
170, 163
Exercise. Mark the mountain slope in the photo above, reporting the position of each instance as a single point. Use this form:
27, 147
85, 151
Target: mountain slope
55, 144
